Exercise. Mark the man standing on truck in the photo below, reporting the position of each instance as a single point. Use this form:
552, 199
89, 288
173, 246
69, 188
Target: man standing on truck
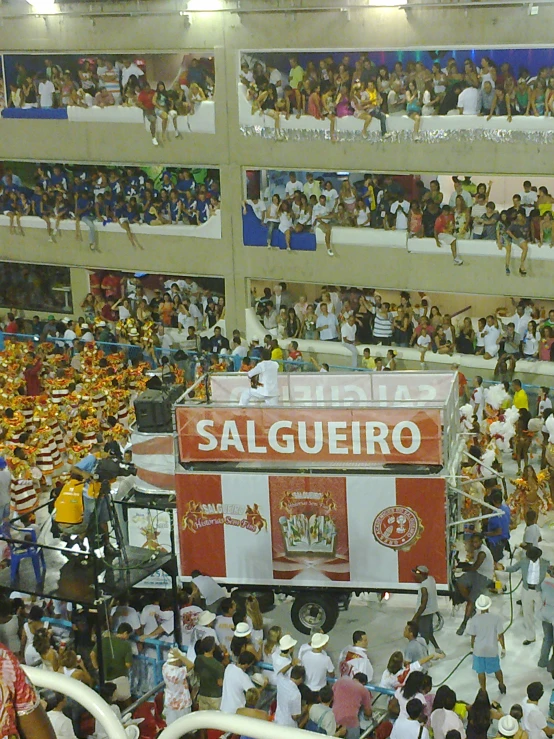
354, 659
427, 604
264, 382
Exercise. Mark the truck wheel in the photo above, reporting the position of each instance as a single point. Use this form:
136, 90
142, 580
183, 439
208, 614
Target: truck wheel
314, 612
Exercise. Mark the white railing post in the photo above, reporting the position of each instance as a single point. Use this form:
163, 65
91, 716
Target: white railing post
81, 693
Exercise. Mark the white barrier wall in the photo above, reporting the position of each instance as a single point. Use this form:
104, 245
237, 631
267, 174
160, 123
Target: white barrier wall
209, 230
349, 124
202, 121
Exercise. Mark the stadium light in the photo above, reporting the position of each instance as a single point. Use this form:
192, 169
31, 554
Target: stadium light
44, 7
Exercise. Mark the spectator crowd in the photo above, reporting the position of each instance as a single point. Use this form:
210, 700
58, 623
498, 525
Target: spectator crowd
361, 316
329, 88
106, 81
91, 195
381, 201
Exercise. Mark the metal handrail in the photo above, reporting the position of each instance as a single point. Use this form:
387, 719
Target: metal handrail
81, 693
228, 722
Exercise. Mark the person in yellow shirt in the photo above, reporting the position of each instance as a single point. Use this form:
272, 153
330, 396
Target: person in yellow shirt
277, 353
520, 396
367, 360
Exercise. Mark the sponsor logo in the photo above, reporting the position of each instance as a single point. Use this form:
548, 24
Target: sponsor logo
198, 516
397, 527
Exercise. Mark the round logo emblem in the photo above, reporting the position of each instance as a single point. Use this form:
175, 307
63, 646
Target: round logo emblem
397, 527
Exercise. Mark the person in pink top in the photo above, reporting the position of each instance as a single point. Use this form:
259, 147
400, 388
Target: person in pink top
349, 697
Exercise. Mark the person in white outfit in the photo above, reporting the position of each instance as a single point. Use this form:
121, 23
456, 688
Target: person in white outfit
267, 388
317, 663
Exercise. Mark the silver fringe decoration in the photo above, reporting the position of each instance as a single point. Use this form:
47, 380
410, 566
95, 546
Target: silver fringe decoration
470, 136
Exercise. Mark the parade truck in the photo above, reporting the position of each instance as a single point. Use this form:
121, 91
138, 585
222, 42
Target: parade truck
344, 487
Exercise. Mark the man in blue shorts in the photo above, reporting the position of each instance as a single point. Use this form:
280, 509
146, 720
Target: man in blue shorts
487, 631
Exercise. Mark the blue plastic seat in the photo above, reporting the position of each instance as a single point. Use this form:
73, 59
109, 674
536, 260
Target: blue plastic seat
19, 552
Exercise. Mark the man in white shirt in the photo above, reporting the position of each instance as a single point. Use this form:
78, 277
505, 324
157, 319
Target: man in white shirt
327, 324
534, 720
258, 207
184, 318
491, 335
533, 570
411, 726
189, 619
276, 78
354, 659
194, 311
87, 336
292, 186
69, 334
459, 190
208, 589
283, 659
311, 186
331, 195
469, 101
520, 319
46, 92
238, 354
266, 387
317, 663
477, 213
224, 624
400, 208
528, 198
235, 683
289, 699
321, 215
130, 69
348, 336
477, 399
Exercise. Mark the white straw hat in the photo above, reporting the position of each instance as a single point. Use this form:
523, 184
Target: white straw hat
242, 629
206, 618
483, 603
319, 640
508, 726
287, 642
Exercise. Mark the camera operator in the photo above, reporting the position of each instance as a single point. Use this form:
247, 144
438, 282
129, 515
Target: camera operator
94, 502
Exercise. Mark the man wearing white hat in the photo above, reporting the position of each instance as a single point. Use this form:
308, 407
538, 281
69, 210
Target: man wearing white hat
317, 663
204, 627
508, 726
283, 658
487, 631
177, 700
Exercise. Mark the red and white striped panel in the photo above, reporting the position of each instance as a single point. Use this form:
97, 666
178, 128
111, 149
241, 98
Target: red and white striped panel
217, 535
155, 461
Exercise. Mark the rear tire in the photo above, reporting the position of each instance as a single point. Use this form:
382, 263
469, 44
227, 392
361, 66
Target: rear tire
314, 612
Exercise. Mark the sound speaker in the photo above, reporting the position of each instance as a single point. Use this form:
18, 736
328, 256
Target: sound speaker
153, 410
